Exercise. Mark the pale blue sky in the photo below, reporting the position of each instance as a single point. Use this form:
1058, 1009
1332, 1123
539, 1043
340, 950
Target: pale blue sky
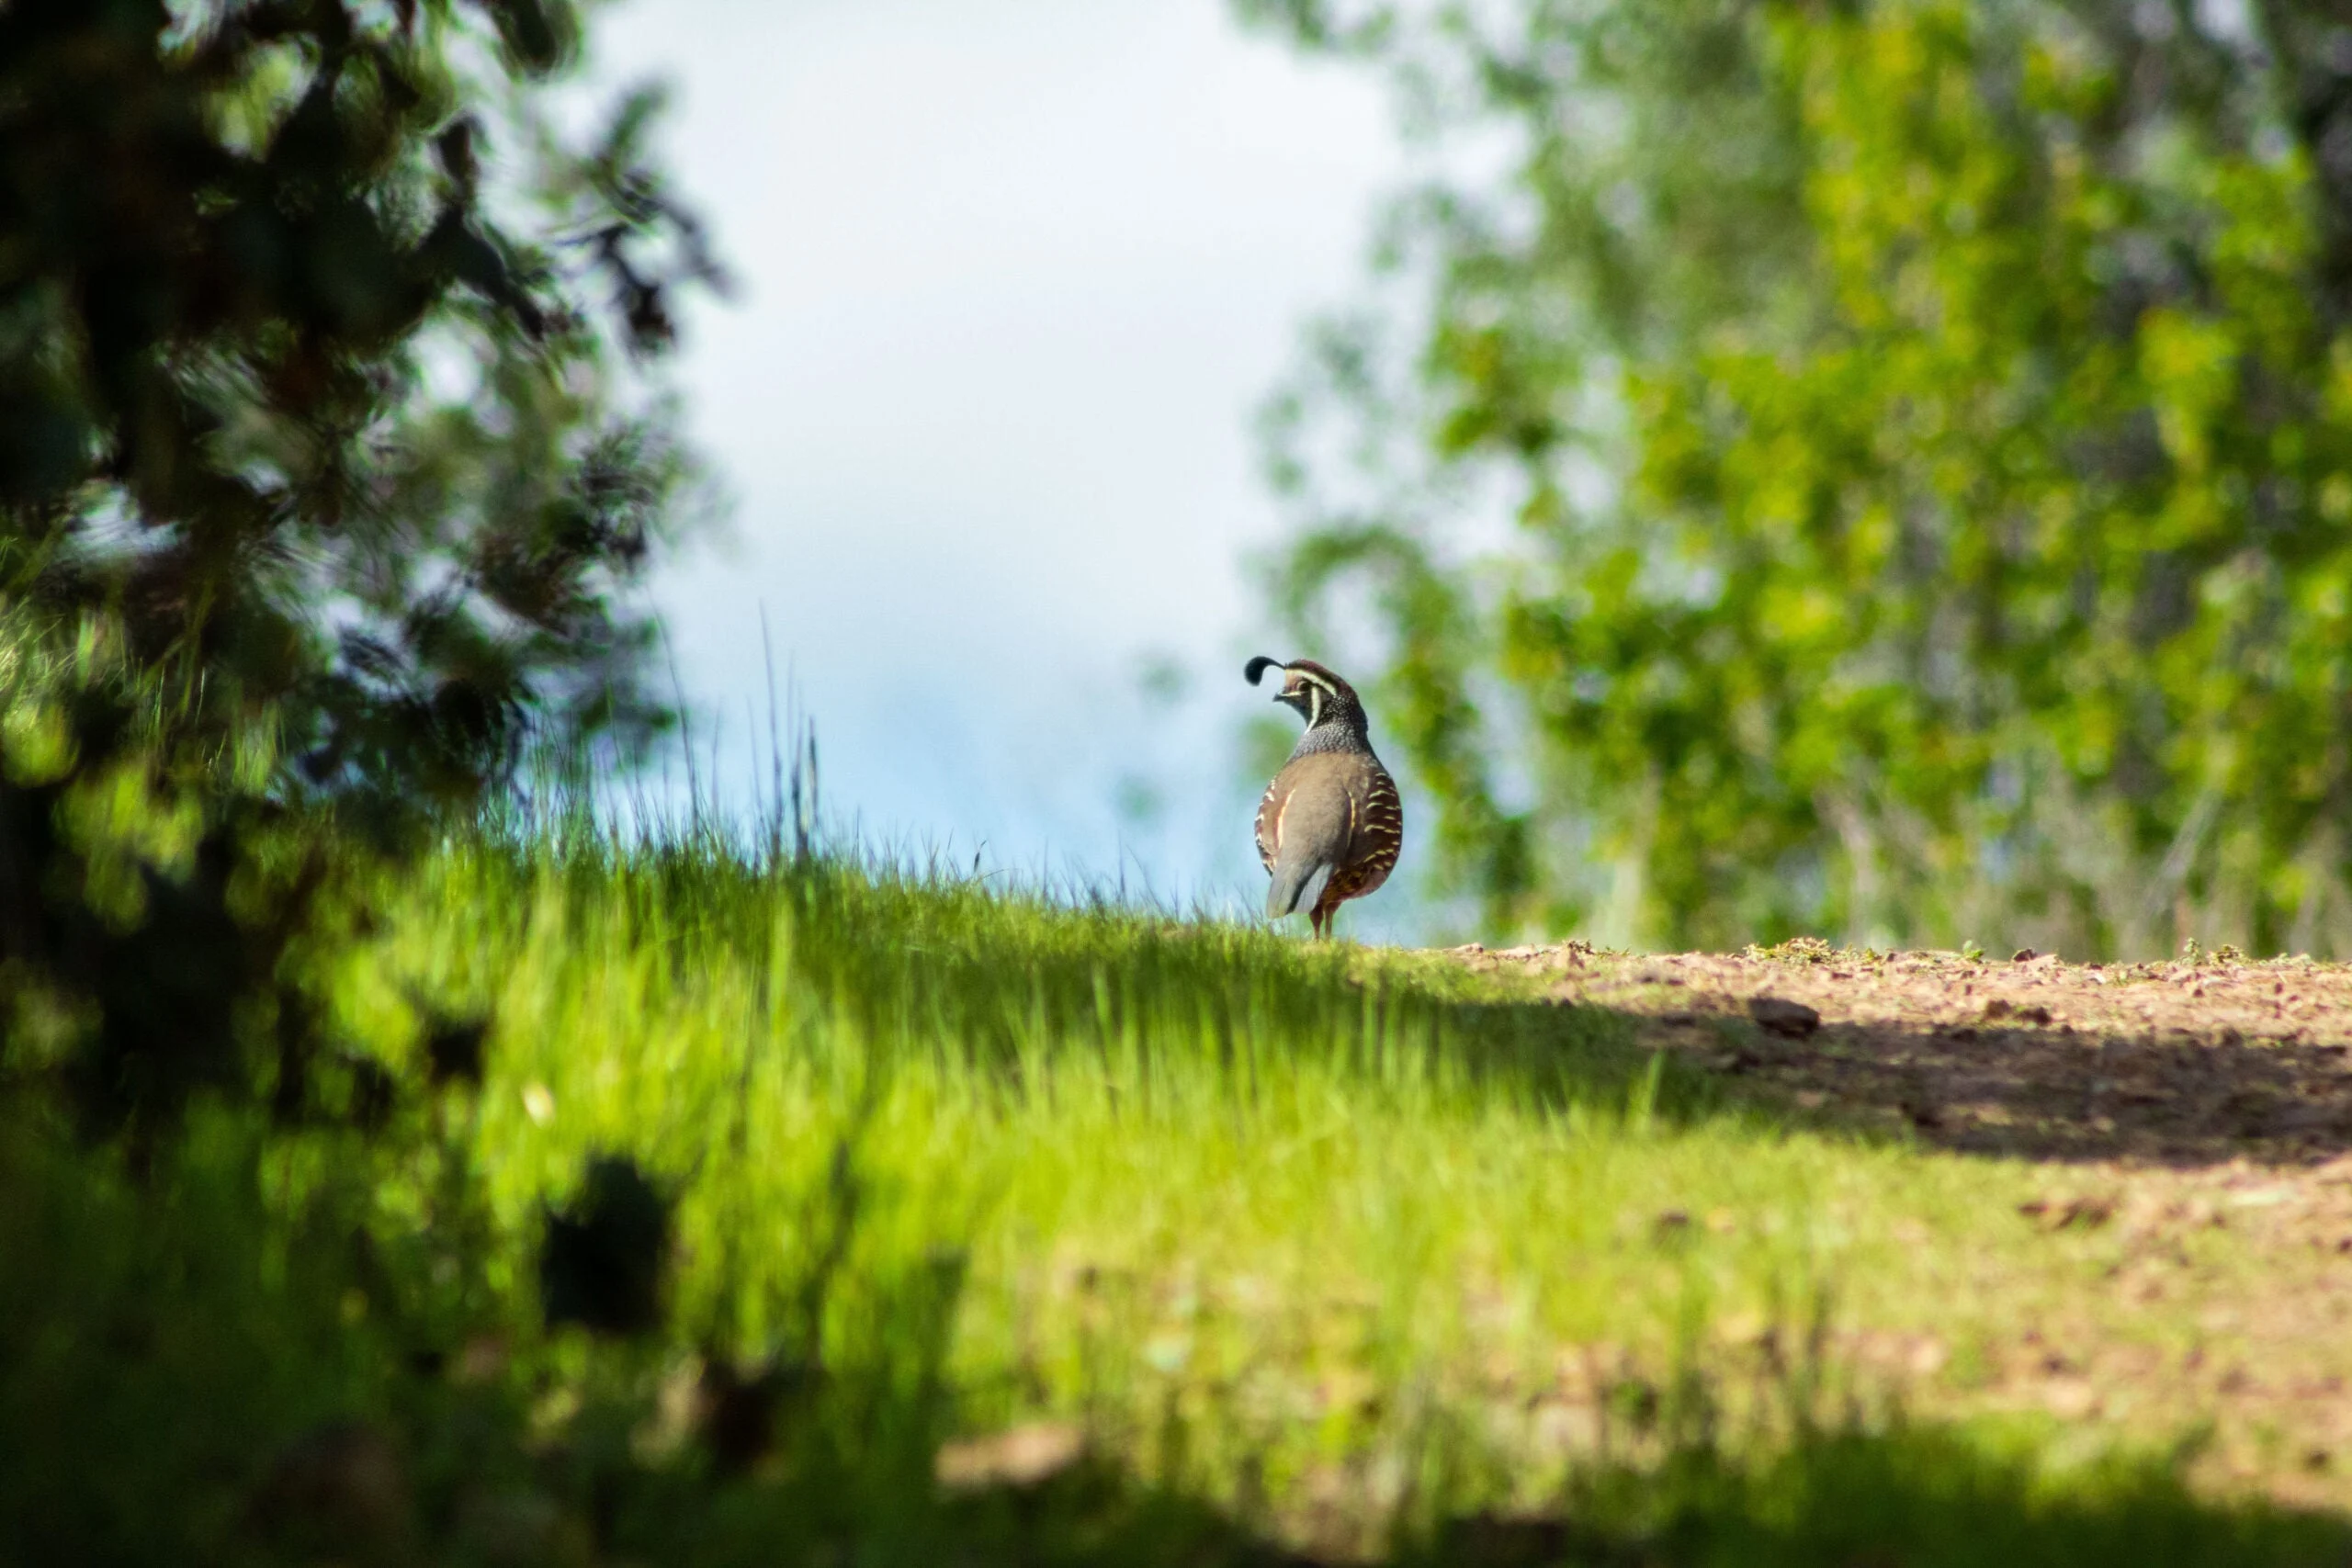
1014, 275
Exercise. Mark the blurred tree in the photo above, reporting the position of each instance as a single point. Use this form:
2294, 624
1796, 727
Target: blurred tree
324, 469
1930, 432
280, 392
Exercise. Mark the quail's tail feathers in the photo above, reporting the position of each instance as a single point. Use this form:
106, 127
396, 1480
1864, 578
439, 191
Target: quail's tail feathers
1298, 885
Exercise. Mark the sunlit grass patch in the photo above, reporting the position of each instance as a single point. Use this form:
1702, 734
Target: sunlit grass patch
1091, 1234
1262, 1218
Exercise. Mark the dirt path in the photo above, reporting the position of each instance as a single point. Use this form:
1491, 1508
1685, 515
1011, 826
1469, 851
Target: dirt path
2177, 1065
2192, 1126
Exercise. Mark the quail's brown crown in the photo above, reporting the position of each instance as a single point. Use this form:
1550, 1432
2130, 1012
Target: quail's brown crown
1320, 694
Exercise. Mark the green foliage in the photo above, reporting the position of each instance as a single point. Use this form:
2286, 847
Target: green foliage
324, 474
288, 397
1928, 429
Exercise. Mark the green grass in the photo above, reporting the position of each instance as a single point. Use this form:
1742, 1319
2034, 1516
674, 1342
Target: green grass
1330, 1248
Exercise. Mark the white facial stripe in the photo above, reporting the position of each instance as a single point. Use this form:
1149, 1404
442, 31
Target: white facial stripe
1318, 688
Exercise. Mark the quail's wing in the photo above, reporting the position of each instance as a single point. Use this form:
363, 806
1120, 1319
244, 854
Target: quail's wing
1376, 830
1270, 812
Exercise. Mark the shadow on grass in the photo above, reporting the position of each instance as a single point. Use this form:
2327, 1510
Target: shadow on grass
194, 1373
1918, 1498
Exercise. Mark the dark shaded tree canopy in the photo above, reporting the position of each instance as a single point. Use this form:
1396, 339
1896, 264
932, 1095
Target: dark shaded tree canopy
319, 398
326, 471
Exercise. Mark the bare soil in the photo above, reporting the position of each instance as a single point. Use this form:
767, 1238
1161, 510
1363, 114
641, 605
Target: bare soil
2192, 1121
2179, 1065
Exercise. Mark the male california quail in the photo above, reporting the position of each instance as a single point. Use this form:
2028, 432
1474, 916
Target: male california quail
1330, 824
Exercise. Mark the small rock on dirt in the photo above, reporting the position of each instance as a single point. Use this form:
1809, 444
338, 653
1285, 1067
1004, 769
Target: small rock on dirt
1778, 1015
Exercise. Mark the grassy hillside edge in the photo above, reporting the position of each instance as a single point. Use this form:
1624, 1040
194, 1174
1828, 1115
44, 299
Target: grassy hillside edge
997, 1231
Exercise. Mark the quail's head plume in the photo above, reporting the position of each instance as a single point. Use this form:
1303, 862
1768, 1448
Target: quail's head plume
1330, 825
